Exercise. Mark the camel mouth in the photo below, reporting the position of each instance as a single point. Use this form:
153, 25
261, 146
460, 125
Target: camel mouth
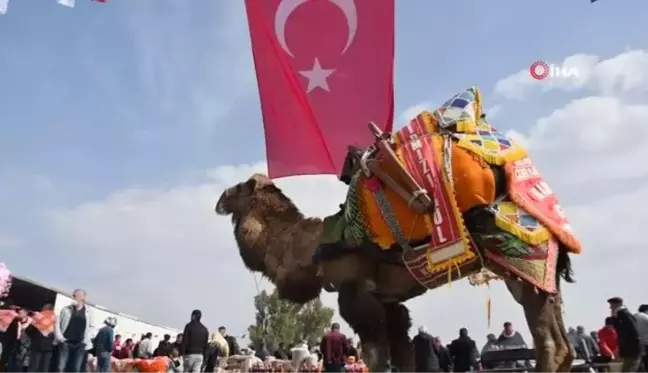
221, 206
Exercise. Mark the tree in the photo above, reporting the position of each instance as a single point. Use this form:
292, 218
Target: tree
279, 320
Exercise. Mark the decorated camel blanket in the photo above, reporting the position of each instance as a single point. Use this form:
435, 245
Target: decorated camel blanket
450, 153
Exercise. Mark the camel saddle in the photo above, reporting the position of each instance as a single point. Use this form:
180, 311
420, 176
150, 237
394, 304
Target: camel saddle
420, 188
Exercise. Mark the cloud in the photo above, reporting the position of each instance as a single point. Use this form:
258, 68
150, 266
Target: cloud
172, 253
622, 73
412, 111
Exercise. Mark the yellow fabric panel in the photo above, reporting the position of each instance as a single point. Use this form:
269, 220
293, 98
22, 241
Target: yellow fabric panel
474, 181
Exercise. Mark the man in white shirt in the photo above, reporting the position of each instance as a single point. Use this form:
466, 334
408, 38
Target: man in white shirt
642, 328
145, 349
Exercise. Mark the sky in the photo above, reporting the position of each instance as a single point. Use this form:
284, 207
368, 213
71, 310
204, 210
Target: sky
123, 122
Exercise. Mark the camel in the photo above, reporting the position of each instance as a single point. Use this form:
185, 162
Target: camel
277, 240
447, 167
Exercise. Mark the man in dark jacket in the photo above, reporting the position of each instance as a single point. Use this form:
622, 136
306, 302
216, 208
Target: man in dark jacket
445, 360
103, 344
231, 342
626, 327
464, 352
425, 358
334, 347
194, 343
164, 347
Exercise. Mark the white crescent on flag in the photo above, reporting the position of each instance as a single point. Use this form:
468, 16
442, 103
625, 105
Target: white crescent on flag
4, 4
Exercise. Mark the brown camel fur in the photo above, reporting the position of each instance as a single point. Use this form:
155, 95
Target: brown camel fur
275, 239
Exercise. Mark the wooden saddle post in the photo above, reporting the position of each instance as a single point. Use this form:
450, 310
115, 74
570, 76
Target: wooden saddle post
416, 196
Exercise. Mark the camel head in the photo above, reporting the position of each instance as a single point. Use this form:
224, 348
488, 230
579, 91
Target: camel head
260, 212
259, 195
239, 199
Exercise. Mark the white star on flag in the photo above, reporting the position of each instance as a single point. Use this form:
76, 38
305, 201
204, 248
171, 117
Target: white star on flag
69, 3
317, 77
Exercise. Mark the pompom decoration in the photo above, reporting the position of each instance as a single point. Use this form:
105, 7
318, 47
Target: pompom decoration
5, 280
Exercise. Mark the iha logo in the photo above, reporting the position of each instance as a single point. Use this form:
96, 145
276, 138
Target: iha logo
541, 70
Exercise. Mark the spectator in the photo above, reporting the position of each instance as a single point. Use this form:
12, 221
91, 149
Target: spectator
334, 347
41, 334
352, 350
642, 327
628, 335
164, 347
463, 352
231, 341
512, 340
586, 347
262, 352
145, 346
281, 353
491, 345
175, 365
127, 350
608, 340
178, 343
117, 346
445, 361
194, 343
217, 349
425, 358
15, 343
73, 327
104, 342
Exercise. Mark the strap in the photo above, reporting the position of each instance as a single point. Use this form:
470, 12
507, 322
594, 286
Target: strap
373, 183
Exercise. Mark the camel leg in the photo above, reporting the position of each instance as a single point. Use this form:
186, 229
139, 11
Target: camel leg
564, 349
400, 344
539, 311
366, 315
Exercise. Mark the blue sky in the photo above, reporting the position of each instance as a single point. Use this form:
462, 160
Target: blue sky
152, 93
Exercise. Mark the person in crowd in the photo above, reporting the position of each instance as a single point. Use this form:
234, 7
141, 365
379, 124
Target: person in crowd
117, 346
104, 343
587, 348
512, 340
334, 348
41, 334
594, 335
164, 347
194, 343
281, 353
217, 349
464, 352
145, 346
136, 348
16, 343
127, 349
628, 335
425, 358
231, 341
491, 345
642, 328
445, 361
177, 344
72, 331
608, 340
262, 352
175, 365
352, 350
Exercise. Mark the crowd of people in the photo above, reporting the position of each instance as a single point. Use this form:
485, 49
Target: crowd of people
43, 342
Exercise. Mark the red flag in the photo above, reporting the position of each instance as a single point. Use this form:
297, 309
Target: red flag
325, 70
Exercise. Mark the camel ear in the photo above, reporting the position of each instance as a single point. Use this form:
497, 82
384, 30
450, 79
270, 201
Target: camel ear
249, 186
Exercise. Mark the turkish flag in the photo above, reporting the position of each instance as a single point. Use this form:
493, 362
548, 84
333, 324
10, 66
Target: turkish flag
325, 70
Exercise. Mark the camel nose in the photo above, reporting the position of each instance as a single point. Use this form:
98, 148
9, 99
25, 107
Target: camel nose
220, 209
